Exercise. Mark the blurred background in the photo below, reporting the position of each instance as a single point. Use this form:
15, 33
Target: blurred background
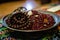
44, 1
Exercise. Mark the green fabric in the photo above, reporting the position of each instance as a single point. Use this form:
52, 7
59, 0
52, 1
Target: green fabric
3, 28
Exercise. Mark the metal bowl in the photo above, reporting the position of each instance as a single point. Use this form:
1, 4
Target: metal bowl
56, 19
